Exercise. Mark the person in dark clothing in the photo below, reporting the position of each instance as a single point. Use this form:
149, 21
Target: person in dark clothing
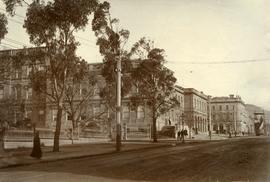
182, 136
178, 135
36, 152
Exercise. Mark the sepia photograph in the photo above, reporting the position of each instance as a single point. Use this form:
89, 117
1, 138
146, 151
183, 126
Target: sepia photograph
134, 90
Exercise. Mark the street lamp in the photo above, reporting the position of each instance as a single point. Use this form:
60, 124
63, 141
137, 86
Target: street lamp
118, 107
182, 116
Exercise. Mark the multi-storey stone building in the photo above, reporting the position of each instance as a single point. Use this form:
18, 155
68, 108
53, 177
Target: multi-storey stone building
229, 115
19, 104
195, 110
16, 89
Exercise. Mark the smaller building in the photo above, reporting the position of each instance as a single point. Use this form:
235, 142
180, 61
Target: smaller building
229, 115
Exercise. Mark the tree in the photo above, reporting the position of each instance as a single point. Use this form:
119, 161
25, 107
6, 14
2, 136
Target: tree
80, 92
10, 9
111, 41
3, 26
155, 83
52, 25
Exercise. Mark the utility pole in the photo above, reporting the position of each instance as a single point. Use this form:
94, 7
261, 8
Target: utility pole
182, 116
118, 107
209, 117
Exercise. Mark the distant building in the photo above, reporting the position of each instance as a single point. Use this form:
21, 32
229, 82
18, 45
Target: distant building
195, 110
252, 110
229, 115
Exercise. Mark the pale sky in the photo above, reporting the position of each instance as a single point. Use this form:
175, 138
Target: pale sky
193, 31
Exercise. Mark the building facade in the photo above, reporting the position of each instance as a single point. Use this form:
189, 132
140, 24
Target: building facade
16, 92
229, 115
195, 111
19, 104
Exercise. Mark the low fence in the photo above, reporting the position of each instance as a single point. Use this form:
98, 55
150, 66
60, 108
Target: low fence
24, 138
141, 132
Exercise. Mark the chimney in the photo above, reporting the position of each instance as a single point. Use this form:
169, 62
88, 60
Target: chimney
231, 95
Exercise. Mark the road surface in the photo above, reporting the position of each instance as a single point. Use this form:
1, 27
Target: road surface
245, 159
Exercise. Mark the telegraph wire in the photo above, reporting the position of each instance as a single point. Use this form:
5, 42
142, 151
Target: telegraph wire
18, 15
223, 62
11, 46
16, 42
92, 44
173, 62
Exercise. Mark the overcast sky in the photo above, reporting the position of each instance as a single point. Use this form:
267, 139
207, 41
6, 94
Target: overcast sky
194, 32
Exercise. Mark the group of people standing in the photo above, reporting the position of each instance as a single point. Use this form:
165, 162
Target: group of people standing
181, 135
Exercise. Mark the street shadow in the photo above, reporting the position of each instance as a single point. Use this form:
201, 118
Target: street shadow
221, 161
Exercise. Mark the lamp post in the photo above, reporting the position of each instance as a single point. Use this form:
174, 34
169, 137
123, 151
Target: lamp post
182, 116
209, 112
118, 107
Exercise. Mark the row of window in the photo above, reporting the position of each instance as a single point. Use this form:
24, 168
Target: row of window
25, 71
227, 116
180, 99
140, 113
221, 107
198, 104
19, 91
16, 92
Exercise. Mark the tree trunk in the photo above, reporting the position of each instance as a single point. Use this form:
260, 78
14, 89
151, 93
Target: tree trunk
154, 126
2, 140
57, 129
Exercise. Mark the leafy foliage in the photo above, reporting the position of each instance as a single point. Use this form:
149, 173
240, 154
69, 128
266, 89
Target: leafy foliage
3, 26
11, 4
53, 24
111, 44
154, 82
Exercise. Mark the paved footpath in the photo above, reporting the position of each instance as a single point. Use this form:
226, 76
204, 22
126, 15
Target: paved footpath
20, 157
239, 159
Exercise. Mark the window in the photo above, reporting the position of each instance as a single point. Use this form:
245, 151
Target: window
125, 112
16, 73
83, 117
1, 92
140, 112
227, 107
69, 118
96, 91
220, 107
83, 91
54, 115
214, 117
28, 70
213, 108
232, 107
29, 93
15, 93
96, 110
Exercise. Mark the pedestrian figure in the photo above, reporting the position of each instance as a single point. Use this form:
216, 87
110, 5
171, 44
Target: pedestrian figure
182, 133
36, 152
178, 135
230, 134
